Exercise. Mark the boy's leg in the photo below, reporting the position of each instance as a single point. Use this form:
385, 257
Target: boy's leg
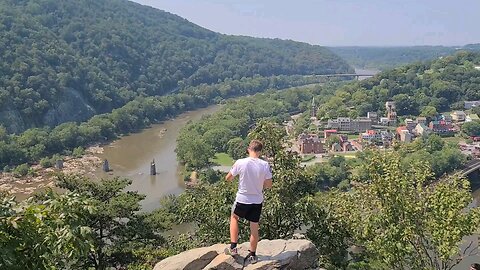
254, 236
234, 228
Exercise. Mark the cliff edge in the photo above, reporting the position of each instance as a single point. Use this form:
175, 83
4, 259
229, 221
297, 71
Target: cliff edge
272, 254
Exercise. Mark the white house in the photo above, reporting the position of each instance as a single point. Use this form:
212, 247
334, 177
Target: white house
458, 116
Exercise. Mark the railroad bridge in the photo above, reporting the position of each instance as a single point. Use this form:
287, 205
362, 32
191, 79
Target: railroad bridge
346, 75
472, 172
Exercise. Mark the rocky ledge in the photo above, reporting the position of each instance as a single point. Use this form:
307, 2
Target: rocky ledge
272, 254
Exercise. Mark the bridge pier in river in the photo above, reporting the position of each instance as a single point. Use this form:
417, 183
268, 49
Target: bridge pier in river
153, 169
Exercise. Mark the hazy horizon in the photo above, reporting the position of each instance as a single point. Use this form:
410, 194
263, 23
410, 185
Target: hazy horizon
372, 23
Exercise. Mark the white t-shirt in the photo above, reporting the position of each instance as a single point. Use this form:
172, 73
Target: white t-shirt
253, 172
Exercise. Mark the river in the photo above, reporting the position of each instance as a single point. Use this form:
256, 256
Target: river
130, 157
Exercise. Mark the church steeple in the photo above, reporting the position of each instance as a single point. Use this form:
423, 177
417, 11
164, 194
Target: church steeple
314, 108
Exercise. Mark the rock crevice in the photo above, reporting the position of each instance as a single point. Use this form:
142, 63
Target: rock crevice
296, 254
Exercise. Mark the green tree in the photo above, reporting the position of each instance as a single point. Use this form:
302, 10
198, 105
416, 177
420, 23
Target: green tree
21, 170
405, 104
471, 128
236, 148
301, 124
476, 110
78, 152
429, 111
218, 138
327, 175
194, 152
45, 232
326, 231
121, 235
405, 218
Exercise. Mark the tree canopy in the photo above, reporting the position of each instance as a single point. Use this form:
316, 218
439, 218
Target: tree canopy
418, 89
69, 60
405, 218
383, 58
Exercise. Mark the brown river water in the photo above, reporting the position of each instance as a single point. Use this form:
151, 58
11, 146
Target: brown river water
130, 157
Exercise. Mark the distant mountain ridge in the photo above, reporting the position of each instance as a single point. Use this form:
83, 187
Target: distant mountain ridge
382, 58
69, 60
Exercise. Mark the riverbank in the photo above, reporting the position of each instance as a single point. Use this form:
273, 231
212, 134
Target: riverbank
43, 178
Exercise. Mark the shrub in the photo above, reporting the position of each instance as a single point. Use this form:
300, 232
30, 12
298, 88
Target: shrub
78, 152
47, 162
21, 170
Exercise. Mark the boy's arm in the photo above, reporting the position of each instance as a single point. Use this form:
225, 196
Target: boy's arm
268, 183
232, 173
229, 177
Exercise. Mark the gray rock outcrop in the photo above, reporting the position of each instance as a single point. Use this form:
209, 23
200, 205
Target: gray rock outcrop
295, 254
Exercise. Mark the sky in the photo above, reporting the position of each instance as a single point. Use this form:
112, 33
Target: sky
337, 22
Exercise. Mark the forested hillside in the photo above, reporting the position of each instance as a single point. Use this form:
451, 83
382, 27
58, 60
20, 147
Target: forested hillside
418, 89
383, 58
69, 60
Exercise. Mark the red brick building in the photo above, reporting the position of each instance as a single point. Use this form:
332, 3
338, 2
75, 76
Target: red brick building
310, 144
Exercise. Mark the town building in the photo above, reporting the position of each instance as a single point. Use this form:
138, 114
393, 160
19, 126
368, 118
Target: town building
346, 124
370, 136
404, 135
472, 117
446, 118
361, 124
458, 116
391, 112
347, 146
387, 136
373, 116
357, 145
343, 138
310, 144
410, 124
470, 104
422, 130
441, 127
336, 147
384, 121
421, 120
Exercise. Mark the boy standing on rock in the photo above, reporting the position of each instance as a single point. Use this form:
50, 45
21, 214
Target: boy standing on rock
255, 175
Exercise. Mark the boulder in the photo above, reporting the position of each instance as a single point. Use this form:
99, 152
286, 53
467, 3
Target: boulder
293, 254
192, 259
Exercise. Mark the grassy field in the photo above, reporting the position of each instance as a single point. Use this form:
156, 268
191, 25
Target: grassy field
308, 158
353, 136
346, 155
223, 159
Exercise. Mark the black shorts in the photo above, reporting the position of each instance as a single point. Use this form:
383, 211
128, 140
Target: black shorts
250, 212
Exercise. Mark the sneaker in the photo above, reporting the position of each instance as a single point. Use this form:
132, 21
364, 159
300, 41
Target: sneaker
252, 259
231, 251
